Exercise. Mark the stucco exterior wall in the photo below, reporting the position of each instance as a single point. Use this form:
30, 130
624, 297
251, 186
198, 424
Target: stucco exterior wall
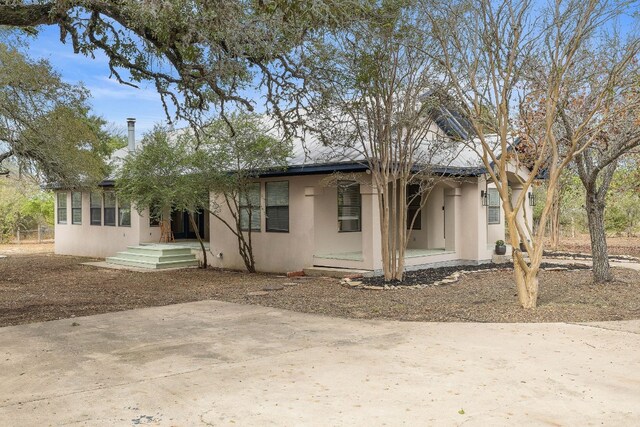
100, 241
434, 218
313, 229
274, 252
327, 237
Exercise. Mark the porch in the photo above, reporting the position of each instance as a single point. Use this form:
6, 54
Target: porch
358, 255
355, 243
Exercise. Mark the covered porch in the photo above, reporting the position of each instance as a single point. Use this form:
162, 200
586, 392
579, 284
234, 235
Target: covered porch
433, 239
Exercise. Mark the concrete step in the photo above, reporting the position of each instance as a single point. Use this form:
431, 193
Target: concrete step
155, 257
151, 265
316, 271
159, 249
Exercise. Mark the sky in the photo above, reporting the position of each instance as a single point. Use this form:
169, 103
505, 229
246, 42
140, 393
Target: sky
109, 99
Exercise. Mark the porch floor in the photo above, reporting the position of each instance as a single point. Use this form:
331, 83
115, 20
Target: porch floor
357, 256
187, 243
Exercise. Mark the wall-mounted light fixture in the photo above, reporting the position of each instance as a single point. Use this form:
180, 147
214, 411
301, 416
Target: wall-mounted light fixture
484, 196
532, 199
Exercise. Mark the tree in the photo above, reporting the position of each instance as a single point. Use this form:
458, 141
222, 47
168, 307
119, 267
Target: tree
377, 101
23, 205
614, 134
196, 53
181, 172
496, 55
45, 125
161, 175
230, 161
622, 214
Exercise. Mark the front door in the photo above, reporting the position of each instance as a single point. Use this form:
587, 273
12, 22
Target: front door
181, 225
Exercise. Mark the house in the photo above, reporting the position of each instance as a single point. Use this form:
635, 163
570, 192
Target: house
322, 210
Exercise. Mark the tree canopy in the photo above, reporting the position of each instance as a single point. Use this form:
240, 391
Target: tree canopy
197, 53
46, 128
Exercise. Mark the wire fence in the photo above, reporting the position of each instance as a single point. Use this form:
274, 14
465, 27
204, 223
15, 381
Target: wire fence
39, 235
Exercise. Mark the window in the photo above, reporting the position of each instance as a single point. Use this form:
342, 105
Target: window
124, 213
414, 199
95, 209
155, 215
493, 206
250, 208
109, 208
349, 206
76, 208
62, 208
277, 198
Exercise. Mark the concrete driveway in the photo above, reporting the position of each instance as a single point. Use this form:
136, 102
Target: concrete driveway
214, 363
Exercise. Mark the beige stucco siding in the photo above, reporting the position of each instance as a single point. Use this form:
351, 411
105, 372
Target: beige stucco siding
100, 241
327, 237
274, 252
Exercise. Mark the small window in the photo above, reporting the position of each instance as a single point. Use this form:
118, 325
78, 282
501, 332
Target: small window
250, 208
277, 206
96, 208
349, 206
109, 208
493, 206
414, 199
155, 215
124, 213
76, 208
62, 208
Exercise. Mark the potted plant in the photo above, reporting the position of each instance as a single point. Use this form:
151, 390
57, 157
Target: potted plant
501, 249
523, 247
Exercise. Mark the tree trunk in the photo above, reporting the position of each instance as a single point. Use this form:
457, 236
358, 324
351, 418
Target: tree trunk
555, 223
526, 274
595, 219
526, 284
197, 231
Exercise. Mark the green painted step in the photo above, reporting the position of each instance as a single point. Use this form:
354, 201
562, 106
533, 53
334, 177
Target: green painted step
159, 249
155, 257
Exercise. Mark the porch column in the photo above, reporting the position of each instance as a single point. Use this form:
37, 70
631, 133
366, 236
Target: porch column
524, 217
451, 215
371, 240
482, 224
308, 212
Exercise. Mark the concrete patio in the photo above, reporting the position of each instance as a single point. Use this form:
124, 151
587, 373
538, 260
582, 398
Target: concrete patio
214, 363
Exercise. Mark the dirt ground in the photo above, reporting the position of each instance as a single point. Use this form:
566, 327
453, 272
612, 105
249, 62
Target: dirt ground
617, 245
42, 286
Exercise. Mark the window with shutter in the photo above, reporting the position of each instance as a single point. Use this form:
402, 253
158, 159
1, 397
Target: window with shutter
349, 206
277, 206
250, 208
493, 206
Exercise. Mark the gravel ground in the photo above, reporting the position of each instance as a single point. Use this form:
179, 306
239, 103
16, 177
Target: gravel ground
42, 287
428, 276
